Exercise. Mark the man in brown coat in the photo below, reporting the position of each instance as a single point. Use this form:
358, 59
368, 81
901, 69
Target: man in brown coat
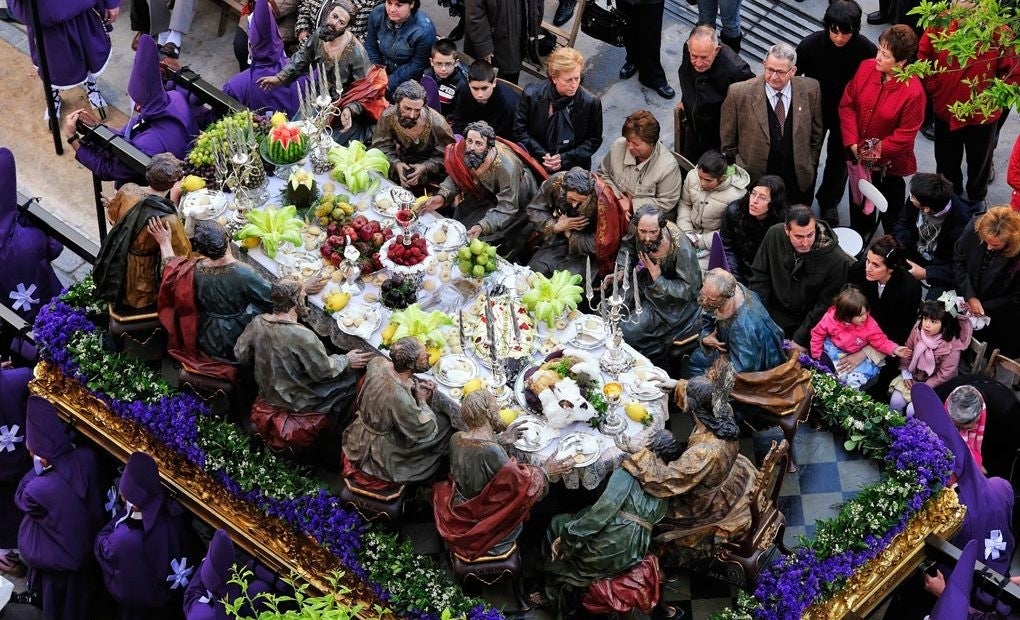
773, 124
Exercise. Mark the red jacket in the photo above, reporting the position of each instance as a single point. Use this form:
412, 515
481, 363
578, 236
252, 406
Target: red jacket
892, 111
950, 85
1013, 175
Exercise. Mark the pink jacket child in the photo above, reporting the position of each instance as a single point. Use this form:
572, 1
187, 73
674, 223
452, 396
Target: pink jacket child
847, 327
849, 337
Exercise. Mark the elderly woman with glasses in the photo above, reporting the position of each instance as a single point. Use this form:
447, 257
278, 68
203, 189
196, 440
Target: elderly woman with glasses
880, 115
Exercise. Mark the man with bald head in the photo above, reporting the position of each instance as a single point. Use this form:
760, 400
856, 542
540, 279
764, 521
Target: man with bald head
706, 72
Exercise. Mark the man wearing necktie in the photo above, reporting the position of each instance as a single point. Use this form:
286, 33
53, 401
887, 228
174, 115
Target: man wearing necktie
773, 124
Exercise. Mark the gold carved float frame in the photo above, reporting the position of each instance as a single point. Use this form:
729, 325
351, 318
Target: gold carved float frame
285, 551
272, 542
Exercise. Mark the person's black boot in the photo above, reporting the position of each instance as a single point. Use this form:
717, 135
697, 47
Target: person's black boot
733, 42
458, 31
564, 12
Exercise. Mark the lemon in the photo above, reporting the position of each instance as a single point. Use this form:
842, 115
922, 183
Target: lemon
387, 333
433, 355
250, 242
335, 302
192, 183
636, 411
420, 200
277, 119
508, 415
472, 386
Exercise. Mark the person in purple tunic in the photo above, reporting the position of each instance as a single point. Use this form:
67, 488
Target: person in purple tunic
14, 457
163, 121
77, 43
143, 553
989, 501
203, 600
27, 281
61, 499
267, 58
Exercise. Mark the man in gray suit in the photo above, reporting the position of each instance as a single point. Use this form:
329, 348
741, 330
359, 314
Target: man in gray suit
773, 124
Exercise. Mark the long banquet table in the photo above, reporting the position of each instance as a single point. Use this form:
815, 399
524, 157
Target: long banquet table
447, 397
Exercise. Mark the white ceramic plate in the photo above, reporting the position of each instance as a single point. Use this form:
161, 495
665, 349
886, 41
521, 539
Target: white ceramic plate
590, 332
452, 234
360, 320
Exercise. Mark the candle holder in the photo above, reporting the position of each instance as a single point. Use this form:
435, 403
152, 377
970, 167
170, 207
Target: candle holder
317, 107
500, 391
614, 312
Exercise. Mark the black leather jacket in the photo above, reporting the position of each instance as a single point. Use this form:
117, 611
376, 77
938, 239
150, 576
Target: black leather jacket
531, 123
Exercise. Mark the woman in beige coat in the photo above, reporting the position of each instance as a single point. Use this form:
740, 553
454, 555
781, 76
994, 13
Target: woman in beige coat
706, 193
639, 166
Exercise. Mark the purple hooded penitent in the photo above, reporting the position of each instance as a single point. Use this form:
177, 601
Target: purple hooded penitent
14, 458
63, 509
143, 561
164, 122
989, 501
27, 280
267, 59
74, 35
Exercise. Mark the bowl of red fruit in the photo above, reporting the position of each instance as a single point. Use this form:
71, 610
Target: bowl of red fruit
368, 236
409, 259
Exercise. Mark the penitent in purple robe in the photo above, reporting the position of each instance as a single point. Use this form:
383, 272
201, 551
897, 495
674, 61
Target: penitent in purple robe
14, 457
204, 596
74, 35
27, 280
989, 501
63, 510
164, 121
142, 552
267, 59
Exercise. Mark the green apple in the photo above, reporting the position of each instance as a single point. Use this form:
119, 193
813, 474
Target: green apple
477, 247
478, 271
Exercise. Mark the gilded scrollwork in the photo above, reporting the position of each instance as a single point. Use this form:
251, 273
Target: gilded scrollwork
866, 589
274, 543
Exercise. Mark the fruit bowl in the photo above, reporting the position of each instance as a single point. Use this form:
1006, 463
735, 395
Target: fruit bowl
409, 261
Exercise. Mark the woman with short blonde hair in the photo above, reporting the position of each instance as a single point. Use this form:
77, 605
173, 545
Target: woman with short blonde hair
558, 121
986, 266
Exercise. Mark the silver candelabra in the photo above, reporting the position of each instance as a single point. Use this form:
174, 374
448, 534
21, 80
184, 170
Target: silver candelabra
317, 106
614, 312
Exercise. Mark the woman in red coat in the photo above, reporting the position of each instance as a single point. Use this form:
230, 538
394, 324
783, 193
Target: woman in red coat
880, 115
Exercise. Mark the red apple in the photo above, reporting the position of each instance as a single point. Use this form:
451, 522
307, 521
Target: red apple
378, 238
359, 221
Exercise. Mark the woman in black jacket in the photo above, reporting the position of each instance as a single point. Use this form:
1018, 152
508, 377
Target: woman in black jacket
745, 221
883, 275
557, 121
986, 266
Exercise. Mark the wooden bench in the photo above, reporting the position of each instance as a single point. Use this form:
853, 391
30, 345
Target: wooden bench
230, 12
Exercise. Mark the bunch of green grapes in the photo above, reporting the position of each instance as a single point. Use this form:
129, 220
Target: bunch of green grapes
214, 138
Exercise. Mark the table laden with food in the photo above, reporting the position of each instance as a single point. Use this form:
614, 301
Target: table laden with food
563, 379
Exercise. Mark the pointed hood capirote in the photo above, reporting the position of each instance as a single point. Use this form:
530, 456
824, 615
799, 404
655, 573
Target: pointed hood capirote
146, 82
264, 37
140, 485
48, 437
215, 571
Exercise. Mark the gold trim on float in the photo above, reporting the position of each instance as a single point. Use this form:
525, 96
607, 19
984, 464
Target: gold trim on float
873, 582
489, 558
271, 541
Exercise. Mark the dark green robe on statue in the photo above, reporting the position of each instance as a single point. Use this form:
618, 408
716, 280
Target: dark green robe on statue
601, 541
228, 297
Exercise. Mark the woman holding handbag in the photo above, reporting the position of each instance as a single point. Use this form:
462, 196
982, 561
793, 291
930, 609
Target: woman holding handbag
880, 115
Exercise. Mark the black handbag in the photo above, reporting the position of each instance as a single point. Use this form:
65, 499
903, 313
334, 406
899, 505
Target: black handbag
605, 23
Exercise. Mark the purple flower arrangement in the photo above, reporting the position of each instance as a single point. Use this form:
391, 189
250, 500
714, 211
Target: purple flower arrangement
174, 420
917, 467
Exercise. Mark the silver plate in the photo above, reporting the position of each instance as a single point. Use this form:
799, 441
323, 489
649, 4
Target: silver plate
447, 361
216, 205
372, 318
591, 445
546, 434
594, 341
456, 234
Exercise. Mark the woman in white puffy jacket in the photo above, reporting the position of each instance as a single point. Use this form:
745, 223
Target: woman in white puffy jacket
707, 191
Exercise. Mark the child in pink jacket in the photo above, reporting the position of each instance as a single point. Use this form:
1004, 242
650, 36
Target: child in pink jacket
936, 342
848, 327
